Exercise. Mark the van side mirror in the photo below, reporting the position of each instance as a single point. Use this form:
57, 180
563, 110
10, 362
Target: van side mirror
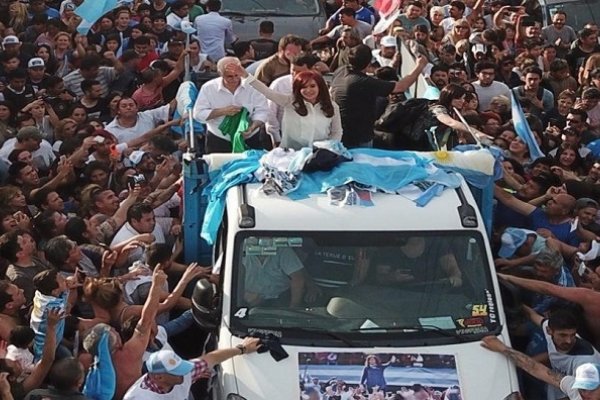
206, 305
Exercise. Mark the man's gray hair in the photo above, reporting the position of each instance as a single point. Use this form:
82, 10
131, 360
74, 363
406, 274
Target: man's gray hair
223, 62
550, 257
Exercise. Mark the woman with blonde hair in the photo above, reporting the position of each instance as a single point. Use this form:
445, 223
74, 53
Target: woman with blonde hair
12, 197
17, 12
105, 295
590, 65
461, 30
63, 52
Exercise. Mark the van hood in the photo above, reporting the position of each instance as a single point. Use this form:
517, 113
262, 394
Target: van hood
476, 373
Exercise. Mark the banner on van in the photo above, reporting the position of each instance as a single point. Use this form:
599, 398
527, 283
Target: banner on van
378, 375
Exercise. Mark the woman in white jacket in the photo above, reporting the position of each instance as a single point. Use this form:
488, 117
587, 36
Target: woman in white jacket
309, 114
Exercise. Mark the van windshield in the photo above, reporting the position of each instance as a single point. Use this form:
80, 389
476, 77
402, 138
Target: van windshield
384, 284
270, 7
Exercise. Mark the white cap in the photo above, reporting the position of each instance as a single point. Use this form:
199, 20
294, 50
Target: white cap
36, 62
388, 41
136, 156
167, 362
10, 39
587, 377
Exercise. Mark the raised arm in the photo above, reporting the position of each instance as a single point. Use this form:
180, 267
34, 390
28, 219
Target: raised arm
279, 98
139, 341
403, 84
533, 316
41, 369
512, 202
526, 363
249, 345
192, 271
581, 296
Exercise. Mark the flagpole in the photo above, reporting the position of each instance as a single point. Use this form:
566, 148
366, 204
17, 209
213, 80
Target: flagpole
462, 119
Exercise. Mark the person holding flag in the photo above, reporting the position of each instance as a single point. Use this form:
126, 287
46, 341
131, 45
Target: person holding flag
523, 129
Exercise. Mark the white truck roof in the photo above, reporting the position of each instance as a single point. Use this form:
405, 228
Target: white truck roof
390, 212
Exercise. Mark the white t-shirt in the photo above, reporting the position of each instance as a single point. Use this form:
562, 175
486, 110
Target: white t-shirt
179, 392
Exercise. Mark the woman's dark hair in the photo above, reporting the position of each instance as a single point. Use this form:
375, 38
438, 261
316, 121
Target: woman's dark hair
45, 281
14, 155
21, 336
451, 92
52, 64
300, 81
518, 168
578, 163
11, 117
75, 230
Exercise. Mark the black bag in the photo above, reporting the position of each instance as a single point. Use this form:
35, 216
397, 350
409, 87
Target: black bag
403, 126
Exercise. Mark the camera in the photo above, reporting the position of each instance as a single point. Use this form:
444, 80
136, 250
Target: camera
138, 179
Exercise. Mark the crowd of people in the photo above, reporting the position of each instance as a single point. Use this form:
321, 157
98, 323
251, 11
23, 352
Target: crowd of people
90, 164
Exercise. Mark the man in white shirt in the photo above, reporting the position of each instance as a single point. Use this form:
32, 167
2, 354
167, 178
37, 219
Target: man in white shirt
29, 138
226, 96
140, 219
170, 378
214, 31
559, 34
586, 379
179, 13
486, 87
130, 123
566, 349
300, 63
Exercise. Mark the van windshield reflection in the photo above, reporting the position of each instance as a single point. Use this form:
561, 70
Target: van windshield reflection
358, 282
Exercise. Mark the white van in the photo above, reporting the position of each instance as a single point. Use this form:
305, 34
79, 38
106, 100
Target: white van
390, 311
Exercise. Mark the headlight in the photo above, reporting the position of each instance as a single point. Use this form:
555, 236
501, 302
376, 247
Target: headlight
232, 396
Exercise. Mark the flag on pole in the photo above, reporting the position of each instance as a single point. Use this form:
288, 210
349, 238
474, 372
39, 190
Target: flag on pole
90, 11
522, 128
388, 10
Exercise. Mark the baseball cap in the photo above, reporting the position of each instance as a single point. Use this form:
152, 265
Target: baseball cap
10, 39
512, 239
586, 202
167, 362
587, 377
388, 41
136, 156
36, 62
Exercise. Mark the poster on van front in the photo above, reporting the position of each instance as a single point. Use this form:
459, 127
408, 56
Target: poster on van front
369, 376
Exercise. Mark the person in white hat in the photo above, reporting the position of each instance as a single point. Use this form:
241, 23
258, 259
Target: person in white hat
385, 55
36, 73
585, 385
171, 377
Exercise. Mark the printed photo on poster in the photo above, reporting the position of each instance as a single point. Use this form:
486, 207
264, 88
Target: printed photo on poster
381, 376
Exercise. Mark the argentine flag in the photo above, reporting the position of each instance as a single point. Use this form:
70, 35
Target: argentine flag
522, 128
90, 11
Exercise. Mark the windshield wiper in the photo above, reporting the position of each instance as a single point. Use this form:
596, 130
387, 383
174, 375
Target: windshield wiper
412, 329
335, 335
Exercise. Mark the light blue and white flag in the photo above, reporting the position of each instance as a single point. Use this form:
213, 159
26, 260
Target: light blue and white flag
90, 11
522, 128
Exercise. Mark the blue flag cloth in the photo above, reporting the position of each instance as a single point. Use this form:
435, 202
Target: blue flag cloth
186, 98
101, 380
91, 11
522, 128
